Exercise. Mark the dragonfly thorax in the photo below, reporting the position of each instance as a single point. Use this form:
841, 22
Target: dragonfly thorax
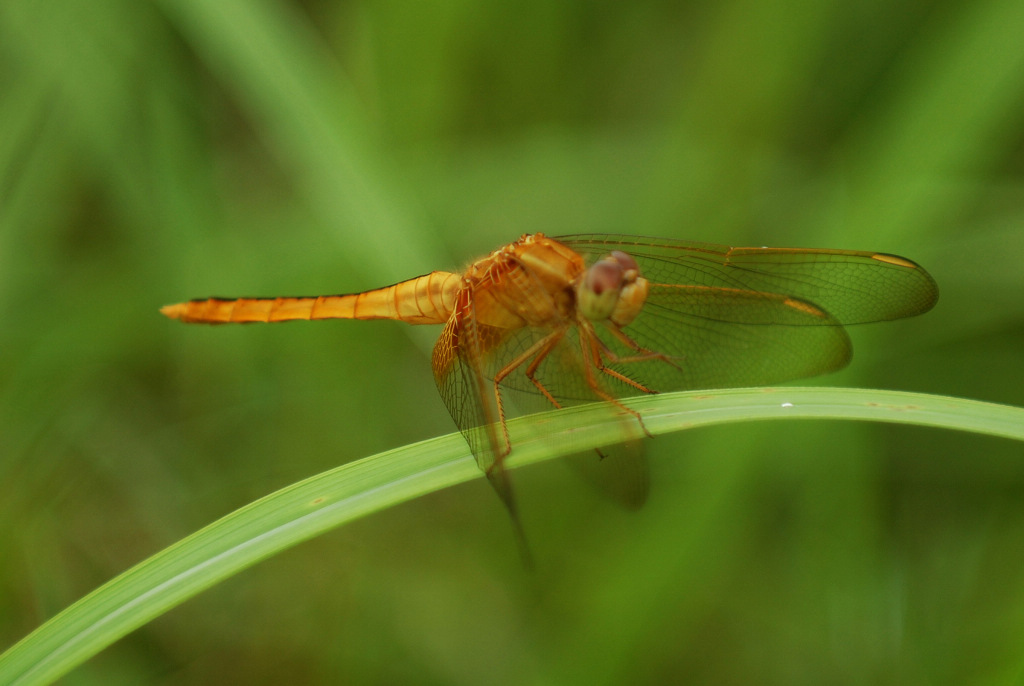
526, 283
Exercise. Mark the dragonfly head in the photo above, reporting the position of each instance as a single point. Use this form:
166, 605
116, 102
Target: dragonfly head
612, 288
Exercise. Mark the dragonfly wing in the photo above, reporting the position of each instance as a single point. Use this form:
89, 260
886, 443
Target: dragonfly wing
723, 338
465, 381
459, 364
618, 472
706, 338
853, 286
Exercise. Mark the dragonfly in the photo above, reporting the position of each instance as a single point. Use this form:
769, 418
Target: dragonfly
560, 321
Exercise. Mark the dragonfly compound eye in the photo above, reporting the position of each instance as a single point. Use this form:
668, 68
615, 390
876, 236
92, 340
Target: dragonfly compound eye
598, 291
630, 268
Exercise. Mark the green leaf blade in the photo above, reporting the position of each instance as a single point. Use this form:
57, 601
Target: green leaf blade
323, 502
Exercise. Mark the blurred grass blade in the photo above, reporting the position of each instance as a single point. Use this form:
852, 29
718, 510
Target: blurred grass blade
311, 507
305, 107
968, 53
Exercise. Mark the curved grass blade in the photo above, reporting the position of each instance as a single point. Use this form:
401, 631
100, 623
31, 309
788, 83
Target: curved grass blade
323, 502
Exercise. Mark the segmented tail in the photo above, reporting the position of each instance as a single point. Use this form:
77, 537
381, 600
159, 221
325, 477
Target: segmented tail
428, 299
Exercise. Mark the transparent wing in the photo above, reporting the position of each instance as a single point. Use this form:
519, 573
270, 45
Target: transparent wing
854, 287
711, 337
461, 370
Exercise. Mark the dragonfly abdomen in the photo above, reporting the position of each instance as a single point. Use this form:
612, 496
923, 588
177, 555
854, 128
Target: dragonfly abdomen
427, 299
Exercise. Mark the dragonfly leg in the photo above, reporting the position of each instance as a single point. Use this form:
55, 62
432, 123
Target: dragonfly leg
591, 347
531, 371
538, 351
600, 351
625, 379
644, 355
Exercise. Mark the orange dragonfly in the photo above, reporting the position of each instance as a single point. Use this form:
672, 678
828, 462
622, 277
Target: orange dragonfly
575, 319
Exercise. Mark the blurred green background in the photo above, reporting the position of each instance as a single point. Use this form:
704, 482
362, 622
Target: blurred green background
156, 151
